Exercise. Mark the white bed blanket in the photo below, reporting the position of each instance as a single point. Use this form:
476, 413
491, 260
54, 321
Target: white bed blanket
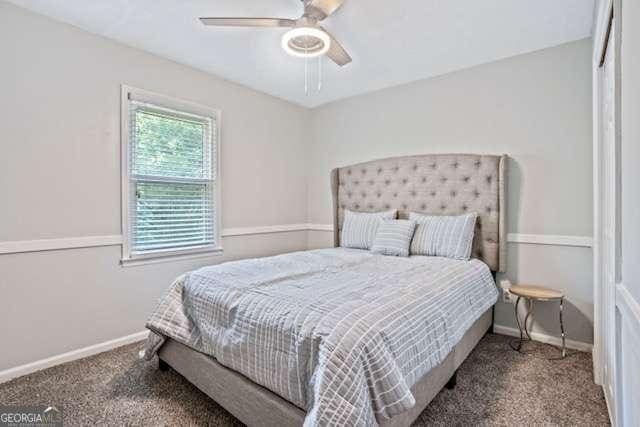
341, 333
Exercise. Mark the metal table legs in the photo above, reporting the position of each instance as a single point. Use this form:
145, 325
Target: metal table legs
564, 351
524, 328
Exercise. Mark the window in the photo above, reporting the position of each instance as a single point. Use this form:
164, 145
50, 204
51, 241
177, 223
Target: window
170, 182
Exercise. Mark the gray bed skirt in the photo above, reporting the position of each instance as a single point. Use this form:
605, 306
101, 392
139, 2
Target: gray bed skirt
255, 405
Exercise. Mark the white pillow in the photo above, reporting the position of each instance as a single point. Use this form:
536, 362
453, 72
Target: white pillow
447, 236
393, 237
359, 228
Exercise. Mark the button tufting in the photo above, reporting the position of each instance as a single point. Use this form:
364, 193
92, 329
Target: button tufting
415, 167
477, 164
348, 171
443, 207
396, 168
489, 178
476, 193
371, 182
357, 206
387, 181
364, 195
395, 194
453, 193
405, 180
423, 206
349, 194
387, 206
364, 171
379, 171
404, 207
413, 193
464, 208
443, 179
433, 194
379, 195
455, 165
424, 179
432, 165
466, 179
356, 182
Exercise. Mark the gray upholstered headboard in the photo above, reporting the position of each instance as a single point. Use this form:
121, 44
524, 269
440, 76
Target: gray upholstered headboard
441, 184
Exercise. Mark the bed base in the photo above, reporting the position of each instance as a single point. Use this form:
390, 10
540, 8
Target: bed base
255, 405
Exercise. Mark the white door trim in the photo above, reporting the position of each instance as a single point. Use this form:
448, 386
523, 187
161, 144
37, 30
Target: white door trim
605, 324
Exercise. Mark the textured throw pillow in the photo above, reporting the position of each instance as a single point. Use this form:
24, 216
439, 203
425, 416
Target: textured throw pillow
359, 228
393, 237
447, 236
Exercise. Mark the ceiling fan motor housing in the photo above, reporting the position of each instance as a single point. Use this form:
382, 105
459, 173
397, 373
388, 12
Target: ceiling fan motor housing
306, 39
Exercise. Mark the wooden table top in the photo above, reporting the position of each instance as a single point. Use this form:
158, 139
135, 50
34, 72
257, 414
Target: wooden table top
536, 292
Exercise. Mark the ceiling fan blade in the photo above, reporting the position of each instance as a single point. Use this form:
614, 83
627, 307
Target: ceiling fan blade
320, 9
248, 22
336, 52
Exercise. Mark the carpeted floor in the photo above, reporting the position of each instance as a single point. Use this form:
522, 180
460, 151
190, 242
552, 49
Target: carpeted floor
496, 386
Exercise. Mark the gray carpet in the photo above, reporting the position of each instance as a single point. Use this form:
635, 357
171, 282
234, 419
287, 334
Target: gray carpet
496, 386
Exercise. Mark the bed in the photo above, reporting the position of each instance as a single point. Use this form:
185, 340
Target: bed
343, 336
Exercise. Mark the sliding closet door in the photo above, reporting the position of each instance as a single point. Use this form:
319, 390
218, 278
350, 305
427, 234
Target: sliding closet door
609, 240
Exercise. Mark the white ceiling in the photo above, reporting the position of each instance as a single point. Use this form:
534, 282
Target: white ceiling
391, 42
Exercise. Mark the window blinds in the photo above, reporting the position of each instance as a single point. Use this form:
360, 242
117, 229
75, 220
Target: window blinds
171, 178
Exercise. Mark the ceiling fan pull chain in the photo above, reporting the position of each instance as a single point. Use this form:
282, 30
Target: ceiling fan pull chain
320, 73
306, 75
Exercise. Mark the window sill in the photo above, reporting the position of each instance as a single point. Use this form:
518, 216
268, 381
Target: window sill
173, 257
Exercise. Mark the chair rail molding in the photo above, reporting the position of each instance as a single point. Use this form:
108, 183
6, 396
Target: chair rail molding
21, 246
25, 246
532, 239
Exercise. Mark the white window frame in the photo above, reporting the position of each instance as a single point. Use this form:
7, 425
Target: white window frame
129, 258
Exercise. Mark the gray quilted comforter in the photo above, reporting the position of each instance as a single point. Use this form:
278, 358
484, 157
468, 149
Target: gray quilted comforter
341, 333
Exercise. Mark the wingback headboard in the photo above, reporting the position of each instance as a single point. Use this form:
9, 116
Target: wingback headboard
437, 184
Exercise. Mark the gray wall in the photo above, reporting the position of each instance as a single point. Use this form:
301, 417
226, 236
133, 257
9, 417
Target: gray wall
60, 178
535, 108
60, 172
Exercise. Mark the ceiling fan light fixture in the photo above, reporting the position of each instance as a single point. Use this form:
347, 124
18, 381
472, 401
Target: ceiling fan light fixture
306, 42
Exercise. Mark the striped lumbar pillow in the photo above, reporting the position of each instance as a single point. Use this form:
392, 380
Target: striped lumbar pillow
359, 228
447, 236
393, 237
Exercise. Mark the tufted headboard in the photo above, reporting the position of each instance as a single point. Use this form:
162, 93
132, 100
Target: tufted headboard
437, 184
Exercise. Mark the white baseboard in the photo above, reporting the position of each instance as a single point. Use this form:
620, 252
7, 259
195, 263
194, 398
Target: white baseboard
547, 339
70, 356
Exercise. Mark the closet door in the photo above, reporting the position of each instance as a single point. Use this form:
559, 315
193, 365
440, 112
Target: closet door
608, 213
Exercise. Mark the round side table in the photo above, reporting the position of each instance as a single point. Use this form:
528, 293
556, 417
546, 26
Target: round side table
536, 293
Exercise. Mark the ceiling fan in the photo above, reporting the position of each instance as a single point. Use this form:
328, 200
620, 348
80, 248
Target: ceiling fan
306, 38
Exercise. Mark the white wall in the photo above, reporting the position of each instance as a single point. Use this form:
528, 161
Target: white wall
537, 109
628, 295
60, 178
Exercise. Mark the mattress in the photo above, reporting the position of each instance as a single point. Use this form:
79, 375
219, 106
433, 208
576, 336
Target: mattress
341, 333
